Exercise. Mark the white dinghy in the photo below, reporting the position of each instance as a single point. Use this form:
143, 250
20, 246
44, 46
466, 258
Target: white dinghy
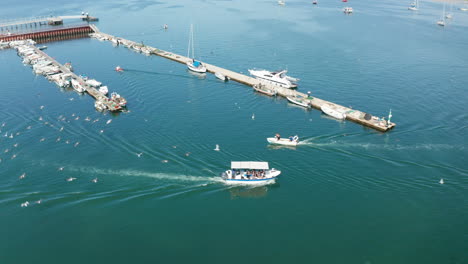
250, 173
291, 141
333, 112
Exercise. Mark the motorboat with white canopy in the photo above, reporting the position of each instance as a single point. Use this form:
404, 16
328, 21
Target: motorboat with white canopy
250, 173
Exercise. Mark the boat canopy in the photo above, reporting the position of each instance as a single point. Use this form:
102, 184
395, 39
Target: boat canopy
253, 165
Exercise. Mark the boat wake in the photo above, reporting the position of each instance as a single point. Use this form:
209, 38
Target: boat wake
339, 144
136, 173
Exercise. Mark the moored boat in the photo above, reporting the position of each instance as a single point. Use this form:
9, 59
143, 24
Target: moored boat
93, 83
119, 69
262, 89
221, 76
104, 90
193, 64
299, 101
348, 10
115, 97
250, 173
77, 86
333, 112
277, 78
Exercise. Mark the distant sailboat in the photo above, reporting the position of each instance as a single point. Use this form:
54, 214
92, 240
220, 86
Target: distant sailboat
449, 14
193, 64
414, 6
441, 21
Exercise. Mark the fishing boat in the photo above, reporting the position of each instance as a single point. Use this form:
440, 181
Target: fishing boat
193, 64
221, 76
104, 90
262, 89
299, 101
77, 86
250, 173
414, 6
277, 78
280, 2
348, 10
291, 141
441, 21
115, 97
119, 69
333, 112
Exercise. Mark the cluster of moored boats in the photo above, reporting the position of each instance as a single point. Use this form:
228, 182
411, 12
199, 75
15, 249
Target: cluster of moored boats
138, 47
63, 76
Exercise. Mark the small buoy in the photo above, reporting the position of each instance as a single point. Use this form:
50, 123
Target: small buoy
253, 116
441, 181
217, 148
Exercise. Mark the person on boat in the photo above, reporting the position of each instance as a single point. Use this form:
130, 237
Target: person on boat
278, 136
291, 138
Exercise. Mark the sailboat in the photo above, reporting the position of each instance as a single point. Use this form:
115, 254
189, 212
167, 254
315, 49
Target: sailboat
414, 6
441, 21
193, 64
449, 15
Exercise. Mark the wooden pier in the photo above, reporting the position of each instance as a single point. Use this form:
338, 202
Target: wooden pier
50, 34
357, 116
89, 89
42, 20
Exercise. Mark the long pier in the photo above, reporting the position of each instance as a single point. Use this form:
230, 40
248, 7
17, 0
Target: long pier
50, 34
89, 89
42, 20
357, 116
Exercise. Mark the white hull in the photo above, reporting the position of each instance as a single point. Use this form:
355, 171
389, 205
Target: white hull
333, 113
250, 182
221, 77
282, 141
269, 178
77, 86
298, 102
275, 78
199, 69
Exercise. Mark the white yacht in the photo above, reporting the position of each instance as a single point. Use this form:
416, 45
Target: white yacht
250, 173
77, 86
193, 64
278, 78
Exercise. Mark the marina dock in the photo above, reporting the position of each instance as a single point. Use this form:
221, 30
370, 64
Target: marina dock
89, 89
356, 116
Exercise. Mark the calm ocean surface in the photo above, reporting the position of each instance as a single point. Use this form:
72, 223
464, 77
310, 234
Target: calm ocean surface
349, 194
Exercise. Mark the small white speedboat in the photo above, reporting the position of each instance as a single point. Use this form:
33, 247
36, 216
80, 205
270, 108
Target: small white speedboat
104, 90
93, 83
284, 141
299, 101
221, 76
348, 10
333, 112
250, 173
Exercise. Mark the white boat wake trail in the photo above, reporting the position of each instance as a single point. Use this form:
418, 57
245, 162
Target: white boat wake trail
338, 144
135, 173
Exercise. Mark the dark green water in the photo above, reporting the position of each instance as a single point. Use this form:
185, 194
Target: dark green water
347, 195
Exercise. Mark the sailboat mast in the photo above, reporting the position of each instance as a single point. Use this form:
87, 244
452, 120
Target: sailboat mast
189, 42
193, 49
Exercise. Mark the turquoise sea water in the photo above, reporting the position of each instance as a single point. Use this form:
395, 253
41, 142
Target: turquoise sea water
349, 194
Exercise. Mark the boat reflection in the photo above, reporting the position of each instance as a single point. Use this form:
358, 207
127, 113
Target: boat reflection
274, 146
248, 192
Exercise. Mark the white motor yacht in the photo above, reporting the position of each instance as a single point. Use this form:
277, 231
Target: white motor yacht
250, 173
277, 78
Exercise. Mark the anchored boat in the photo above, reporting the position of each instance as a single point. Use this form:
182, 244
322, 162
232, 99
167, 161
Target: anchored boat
193, 64
250, 173
333, 112
278, 78
299, 101
262, 89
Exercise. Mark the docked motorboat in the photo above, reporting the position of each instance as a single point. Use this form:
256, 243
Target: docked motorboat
221, 76
291, 141
250, 173
333, 112
69, 66
99, 105
77, 86
348, 10
93, 83
115, 97
104, 90
263, 89
42, 47
299, 101
277, 78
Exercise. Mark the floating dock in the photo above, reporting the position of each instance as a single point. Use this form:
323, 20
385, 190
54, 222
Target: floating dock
89, 89
357, 116
50, 34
